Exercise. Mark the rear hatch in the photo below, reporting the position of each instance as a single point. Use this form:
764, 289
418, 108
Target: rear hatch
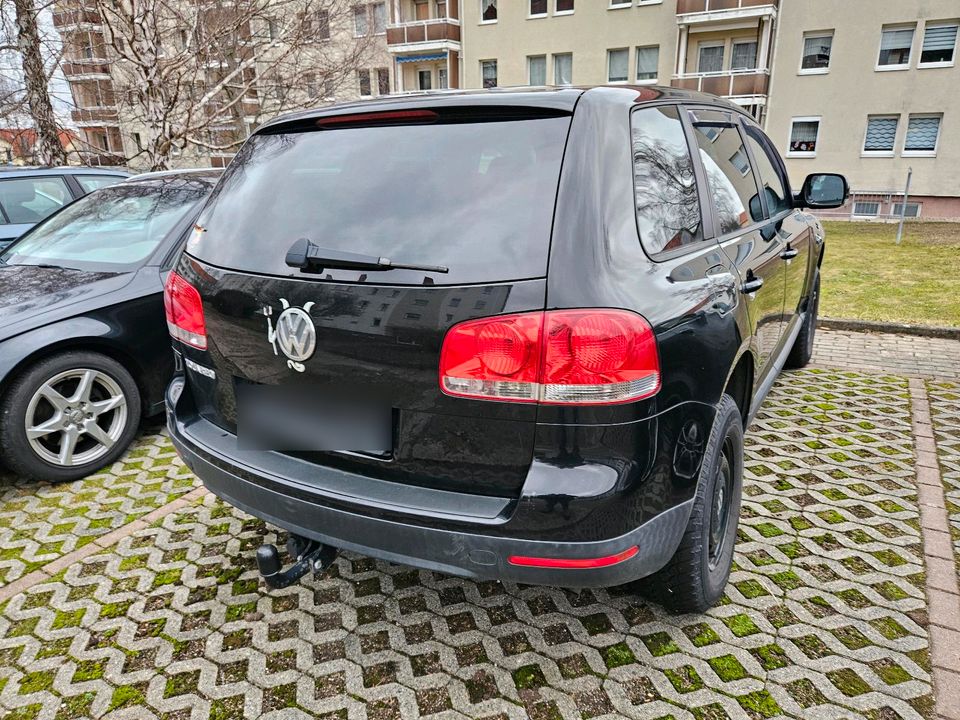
469, 189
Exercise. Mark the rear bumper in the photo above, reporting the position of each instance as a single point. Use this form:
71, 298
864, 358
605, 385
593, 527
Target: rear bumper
482, 551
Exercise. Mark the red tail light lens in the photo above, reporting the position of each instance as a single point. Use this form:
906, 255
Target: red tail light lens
578, 357
184, 312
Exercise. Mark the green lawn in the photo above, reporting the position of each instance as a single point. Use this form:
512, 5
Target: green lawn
867, 276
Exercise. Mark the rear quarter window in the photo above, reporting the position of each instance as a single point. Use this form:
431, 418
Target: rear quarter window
665, 189
477, 198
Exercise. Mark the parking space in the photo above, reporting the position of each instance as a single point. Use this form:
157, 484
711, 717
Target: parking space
151, 606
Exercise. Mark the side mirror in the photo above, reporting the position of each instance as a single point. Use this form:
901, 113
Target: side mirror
822, 191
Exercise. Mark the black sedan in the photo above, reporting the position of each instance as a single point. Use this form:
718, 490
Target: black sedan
84, 349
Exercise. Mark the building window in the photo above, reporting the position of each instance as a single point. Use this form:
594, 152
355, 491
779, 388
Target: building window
310, 82
488, 11
383, 81
443, 81
563, 7
665, 187
421, 10
744, 56
537, 70
328, 89
138, 141
939, 44
363, 78
923, 132
441, 7
618, 63
323, 25
380, 18
913, 209
360, 25
617, 4
740, 162
866, 209
648, 58
424, 80
881, 135
538, 8
563, 69
804, 133
816, 53
488, 72
711, 58
895, 44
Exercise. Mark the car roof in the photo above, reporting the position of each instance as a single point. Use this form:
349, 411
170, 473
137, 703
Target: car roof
33, 170
557, 98
169, 177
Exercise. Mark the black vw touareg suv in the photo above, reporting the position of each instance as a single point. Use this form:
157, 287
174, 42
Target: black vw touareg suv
500, 334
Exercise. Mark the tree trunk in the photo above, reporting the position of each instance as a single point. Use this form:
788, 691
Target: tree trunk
48, 149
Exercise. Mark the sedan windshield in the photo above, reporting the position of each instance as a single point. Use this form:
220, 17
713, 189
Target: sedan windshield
112, 229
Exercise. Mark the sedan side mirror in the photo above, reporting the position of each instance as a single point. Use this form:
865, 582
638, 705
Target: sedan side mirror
822, 191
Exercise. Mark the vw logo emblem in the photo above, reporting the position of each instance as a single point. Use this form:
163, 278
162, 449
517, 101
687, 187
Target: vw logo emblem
296, 334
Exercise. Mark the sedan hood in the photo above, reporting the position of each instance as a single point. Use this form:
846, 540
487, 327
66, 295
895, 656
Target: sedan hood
28, 292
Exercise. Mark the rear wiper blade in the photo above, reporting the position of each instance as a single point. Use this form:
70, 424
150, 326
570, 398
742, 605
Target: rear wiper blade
308, 257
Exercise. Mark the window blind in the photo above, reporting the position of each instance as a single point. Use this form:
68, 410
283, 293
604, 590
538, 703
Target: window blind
881, 134
922, 133
647, 60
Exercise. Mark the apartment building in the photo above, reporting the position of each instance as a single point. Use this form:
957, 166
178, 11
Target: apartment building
423, 39
112, 128
871, 92
862, 87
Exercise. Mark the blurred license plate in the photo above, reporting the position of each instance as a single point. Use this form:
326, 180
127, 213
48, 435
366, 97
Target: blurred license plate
273, 417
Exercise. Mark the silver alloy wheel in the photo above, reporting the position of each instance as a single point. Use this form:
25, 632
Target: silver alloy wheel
76, 417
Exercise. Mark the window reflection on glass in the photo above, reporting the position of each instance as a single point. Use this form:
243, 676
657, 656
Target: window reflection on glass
668, 208
734, 193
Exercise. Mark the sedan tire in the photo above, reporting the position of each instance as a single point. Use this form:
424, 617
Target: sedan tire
68, 416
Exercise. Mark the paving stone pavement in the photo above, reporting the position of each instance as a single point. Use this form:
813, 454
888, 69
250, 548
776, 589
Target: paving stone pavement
40, 522
945, 414
825, 615
899, 354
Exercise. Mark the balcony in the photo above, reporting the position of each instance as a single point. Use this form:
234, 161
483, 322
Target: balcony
74, 69
697, 12
67, 18
439, 34
103, 114
731, 84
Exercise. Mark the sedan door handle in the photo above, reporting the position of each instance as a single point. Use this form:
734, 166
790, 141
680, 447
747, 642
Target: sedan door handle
751, 285
789, 253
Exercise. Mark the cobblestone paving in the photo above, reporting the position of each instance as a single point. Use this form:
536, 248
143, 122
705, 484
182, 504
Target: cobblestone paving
40, 522
899, 354
824, 616
945, 413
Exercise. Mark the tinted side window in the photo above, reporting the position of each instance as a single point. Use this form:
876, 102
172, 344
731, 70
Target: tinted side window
89, 183
30, 200
668, 209
771, 176
729, 175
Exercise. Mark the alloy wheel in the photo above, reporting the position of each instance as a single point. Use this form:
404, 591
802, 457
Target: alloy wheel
76, 417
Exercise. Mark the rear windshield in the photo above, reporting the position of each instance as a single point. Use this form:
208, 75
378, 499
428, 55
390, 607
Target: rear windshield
477, 198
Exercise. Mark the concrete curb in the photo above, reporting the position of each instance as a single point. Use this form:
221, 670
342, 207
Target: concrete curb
943, 593
54, 566
934, 331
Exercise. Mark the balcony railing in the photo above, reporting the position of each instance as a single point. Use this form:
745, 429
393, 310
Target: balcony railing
85, 66
98, 114
64, 18
695, 6
732, 83
423, 31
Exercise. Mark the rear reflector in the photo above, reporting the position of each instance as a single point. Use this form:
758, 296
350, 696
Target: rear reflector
184, 312
561, 357
574, 563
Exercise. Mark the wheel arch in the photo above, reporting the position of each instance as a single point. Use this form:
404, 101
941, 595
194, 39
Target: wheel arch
739, 384
39, 345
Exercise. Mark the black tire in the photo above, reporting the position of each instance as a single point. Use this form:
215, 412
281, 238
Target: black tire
117, 420
695, 577
802, 349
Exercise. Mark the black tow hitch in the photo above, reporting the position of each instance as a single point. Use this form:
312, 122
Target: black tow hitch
307, 554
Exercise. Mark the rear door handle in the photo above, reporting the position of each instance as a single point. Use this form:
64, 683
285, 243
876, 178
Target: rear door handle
751, 285
789, 253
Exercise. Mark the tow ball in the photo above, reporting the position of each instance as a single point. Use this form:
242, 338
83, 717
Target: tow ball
307, 554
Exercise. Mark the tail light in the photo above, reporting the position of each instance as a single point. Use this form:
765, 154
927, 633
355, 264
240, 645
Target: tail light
563, 357
184, 312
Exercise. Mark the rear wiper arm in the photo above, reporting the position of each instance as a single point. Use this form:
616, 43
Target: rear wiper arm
311, 258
